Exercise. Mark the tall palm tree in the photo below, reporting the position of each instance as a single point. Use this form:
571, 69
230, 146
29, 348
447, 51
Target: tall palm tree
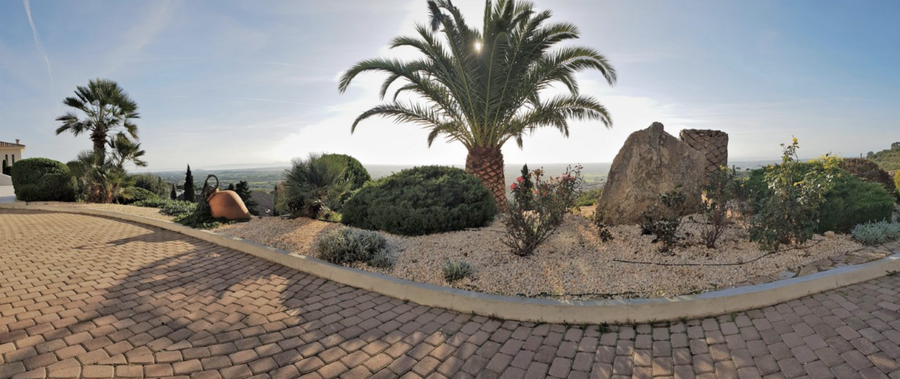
483, 87
106, 107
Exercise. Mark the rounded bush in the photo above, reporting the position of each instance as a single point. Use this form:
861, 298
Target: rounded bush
854, 201
42, 179
355, 169
346, 245
868, 171
421, 200
851, 201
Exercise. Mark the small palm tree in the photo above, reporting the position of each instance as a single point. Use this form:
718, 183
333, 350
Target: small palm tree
106, 107
125, 150
315, 187
483, 88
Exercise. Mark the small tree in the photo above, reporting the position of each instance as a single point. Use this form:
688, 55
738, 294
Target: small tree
189, 185
243, 190
5, 167
173, 195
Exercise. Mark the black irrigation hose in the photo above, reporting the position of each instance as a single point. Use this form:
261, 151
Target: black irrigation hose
713, 264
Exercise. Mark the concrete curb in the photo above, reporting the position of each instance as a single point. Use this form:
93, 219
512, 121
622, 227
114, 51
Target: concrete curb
526, 309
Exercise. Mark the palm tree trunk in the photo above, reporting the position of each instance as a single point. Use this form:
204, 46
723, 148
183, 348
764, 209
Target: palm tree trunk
99, 140
486, 164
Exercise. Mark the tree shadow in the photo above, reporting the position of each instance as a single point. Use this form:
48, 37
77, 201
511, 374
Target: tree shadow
195, 296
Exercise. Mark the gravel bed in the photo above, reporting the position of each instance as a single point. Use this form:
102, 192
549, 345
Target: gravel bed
127, 209
572, 264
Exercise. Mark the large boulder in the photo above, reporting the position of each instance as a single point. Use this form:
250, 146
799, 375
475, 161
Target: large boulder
651, 163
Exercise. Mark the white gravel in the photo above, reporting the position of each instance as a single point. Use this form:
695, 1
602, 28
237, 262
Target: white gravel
573, 264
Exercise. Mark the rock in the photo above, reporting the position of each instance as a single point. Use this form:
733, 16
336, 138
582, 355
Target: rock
829, 234
651, 163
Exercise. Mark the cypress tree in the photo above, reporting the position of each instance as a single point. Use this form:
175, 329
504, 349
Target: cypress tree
5, 168
189, 185
231, 187
173, 194
243, 190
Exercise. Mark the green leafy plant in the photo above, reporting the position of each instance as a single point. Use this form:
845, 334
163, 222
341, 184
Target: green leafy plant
481, 87
152, 202
178, 208
421, 200
347, 245
852, 201
663, 220
897, 181
454, 270
876, 233
199, 218
42, 179
789, 214
314, 187
134, 194
537, 208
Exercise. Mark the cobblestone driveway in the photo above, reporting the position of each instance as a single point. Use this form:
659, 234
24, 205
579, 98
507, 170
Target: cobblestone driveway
94, 297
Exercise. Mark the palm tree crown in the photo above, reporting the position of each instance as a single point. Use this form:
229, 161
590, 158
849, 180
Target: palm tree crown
483, 87
106, 107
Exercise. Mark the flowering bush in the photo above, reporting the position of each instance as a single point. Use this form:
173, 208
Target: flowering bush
790, 213
538, 206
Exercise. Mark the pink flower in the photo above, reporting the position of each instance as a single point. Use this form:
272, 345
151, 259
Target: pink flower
513, 187
520, 179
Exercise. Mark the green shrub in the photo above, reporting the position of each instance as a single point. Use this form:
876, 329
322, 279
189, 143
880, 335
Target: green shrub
421, 200
315, 187
853, 201
663, 220
537, 208
876, 233
42, 179
347, 245
897, 181
178, 208
588, 198
456, 270
152, 183
199, 215
135, 194
356, 173
719, 190
868, 171
154, 202
788, 207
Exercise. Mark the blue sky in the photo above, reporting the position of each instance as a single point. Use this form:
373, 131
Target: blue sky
255, 82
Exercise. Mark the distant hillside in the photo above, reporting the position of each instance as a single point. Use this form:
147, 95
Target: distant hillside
888, 160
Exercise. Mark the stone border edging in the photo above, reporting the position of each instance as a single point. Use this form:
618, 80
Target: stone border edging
625, 311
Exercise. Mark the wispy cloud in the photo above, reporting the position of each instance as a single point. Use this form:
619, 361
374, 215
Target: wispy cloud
37, 39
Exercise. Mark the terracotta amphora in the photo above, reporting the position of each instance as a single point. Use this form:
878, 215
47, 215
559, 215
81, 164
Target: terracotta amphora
224, 204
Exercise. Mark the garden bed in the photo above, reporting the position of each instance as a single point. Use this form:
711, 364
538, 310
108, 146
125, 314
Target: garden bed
575, 264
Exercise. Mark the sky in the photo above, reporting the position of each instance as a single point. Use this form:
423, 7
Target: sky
255, 82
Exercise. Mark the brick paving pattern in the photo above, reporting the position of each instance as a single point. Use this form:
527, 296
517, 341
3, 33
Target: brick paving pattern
92, 297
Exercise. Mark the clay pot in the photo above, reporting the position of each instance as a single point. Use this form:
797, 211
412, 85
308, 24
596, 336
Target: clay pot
225, 204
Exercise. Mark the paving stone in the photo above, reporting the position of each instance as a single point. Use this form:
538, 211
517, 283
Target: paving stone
180, 306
